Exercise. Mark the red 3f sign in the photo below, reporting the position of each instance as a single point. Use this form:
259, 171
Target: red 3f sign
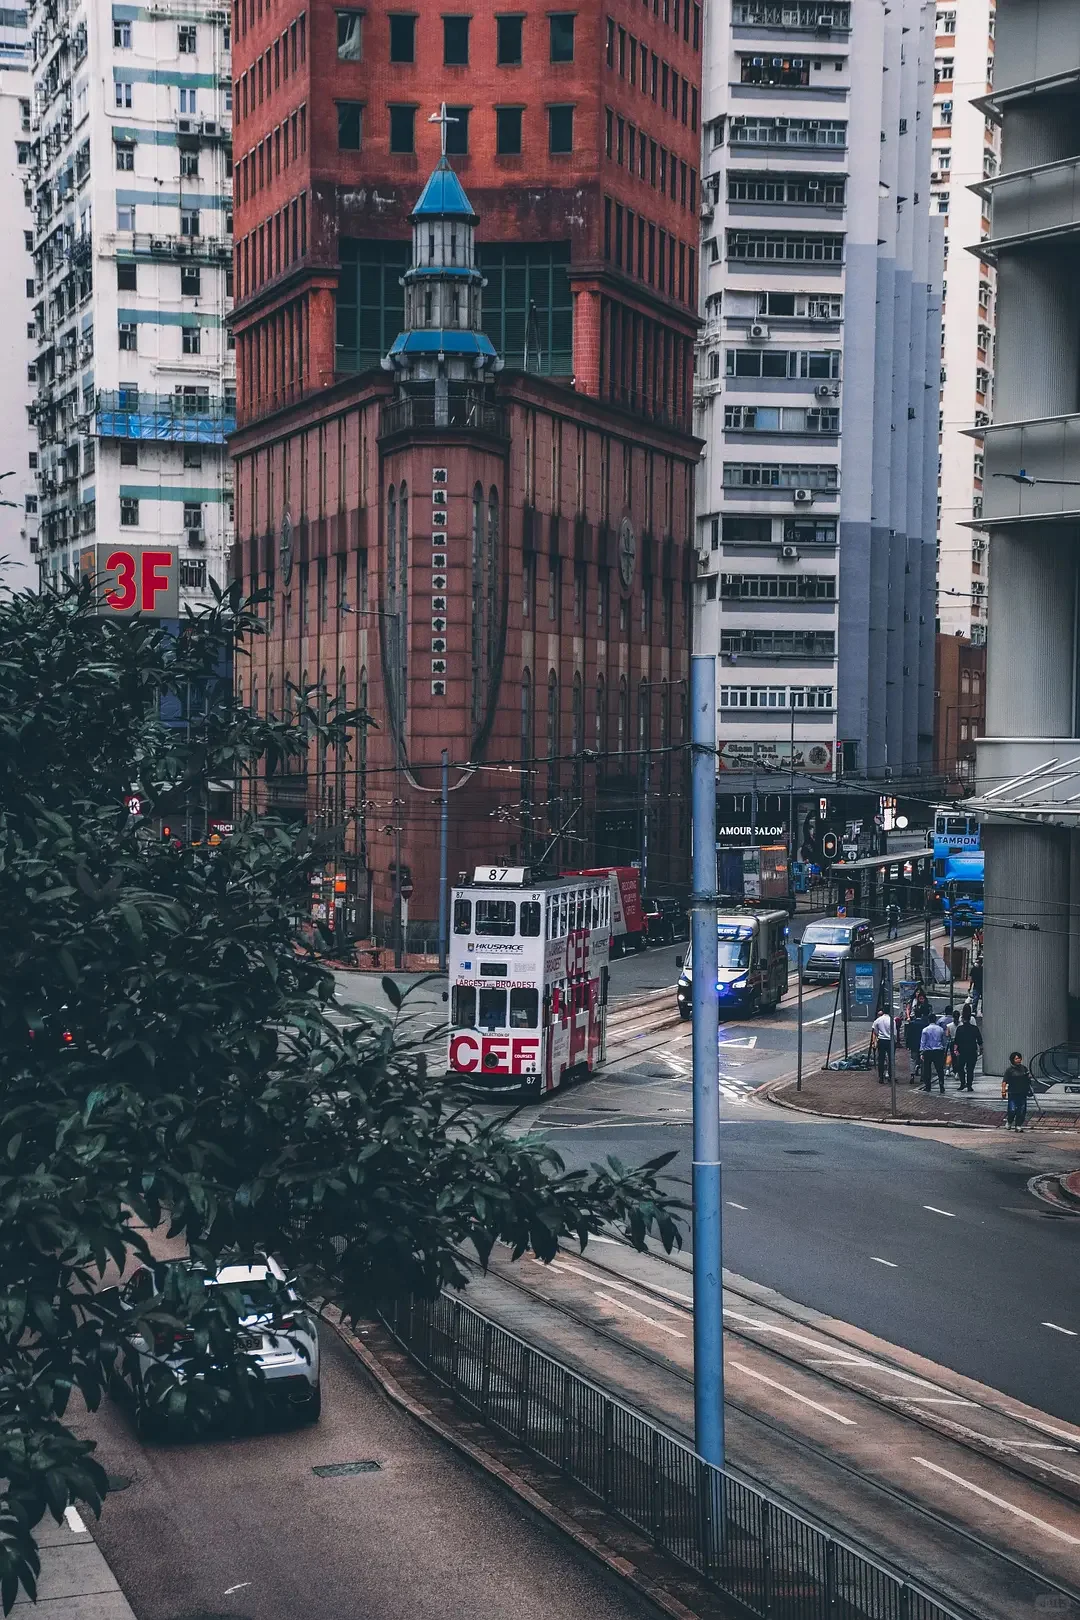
133, 579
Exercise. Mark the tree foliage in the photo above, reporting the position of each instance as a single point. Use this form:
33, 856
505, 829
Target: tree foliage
167, 1055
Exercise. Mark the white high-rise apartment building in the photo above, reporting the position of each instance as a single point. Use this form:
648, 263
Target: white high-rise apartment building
817, 384
965, 152
18, 347
132, 160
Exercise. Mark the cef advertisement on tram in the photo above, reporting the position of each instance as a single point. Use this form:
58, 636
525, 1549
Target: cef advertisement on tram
528, 979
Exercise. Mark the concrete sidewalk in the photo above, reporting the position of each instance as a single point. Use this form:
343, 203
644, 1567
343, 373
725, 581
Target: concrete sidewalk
76, 1582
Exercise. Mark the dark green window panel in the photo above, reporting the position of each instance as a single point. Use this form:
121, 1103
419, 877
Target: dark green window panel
370, 301
527, 299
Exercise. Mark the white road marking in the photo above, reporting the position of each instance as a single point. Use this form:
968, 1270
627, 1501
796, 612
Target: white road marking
620, 1288
742, 1040
620, 1305
838, 1417
1057, 1329
799, 1338
809, 1023
593, 1238
734, 1205
73, 1520
935, 1211
999, 1501
239, 1587
1034, 1445
939, 1400
892, 1264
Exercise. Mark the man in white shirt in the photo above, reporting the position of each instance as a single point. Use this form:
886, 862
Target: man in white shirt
883, 1032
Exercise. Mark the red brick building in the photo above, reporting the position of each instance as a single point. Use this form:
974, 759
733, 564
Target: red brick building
494, 561
959, 706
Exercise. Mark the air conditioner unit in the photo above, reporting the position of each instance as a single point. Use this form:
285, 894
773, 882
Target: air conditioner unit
823, 391
196, 538
82, 424
803, 497
707, 210
757, 61
825, 19
185, 126
703, 559
757, 330
158, 244
180, 247
789, 553
209, 126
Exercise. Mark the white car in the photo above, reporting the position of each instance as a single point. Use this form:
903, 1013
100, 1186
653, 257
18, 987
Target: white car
276, 1330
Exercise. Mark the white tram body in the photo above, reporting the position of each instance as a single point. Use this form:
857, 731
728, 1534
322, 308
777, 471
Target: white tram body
528, 968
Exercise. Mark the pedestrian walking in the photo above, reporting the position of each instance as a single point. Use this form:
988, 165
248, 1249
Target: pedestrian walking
966, 1046
1018, 1088
976, 986
883, 1037
918, 1016
892, 920
932, 1056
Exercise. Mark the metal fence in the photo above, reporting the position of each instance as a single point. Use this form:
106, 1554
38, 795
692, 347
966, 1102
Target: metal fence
765, 1558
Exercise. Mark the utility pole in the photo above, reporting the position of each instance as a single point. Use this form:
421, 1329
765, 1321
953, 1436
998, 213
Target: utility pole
444, 835
791, 788
708, 1236
952, 944
645, 776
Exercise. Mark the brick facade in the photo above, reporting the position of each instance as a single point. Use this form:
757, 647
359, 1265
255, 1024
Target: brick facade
530, 612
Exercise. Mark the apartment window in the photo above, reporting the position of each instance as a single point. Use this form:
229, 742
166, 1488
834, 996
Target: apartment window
189, 222
402, 39
561, 30
127, 276
761, 131
508, 131
780, 475
456, 41
814, 364
946, 22
746, 531
809, 531
193, 456
942, 202
780, 419
190, 281
125, 155
192, 515
193, 573
128, 336
348, 36
807, 191
508, 41
22, 152
189, 165
191, 339
129, 453
122, 93
768, 587
349, 123
121, 36
457, 133
402, 127
186, 39
943, 70
188, 101
129, 512
790, 71
560, 129
783, 247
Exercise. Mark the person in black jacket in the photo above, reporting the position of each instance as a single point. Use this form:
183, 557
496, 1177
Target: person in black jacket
1018, 1089
966, 1046
919, 1015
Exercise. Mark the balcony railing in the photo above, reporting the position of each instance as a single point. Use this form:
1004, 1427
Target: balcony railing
466, 411
180, 418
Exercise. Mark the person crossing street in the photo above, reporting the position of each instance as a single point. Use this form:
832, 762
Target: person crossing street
932, 1056
966, 1046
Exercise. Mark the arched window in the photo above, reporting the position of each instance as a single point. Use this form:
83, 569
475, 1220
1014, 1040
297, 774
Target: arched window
622, 737
665, 733
391, 550
526, 749
601, 716
644, 719
492, 579
577, 741
553, 743
270, 699
341, 751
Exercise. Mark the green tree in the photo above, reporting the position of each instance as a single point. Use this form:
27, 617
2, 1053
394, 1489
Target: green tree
167, 1058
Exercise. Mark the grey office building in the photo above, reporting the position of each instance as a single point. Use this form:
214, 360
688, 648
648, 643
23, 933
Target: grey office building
1028, 770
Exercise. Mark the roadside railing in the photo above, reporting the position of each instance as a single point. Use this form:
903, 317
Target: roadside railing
768, 1560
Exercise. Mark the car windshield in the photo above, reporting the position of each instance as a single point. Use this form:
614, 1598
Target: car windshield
257, 1298
733, 953
822, 935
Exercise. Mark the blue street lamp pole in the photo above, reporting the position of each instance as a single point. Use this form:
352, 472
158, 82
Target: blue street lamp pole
708, 1241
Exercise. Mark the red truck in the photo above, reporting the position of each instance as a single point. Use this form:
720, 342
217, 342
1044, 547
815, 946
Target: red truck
628, 932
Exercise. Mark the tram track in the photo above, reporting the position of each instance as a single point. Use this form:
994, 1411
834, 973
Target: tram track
962, 1563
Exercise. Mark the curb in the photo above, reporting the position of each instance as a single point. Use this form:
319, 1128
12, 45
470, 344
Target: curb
771, 1087
621, 1568
1054, 1189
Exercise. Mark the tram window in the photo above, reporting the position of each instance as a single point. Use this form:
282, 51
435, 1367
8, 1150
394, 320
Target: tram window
463, 1006
524, 1009
530, 919
462, 916
492, 1009
563, 910
496, 917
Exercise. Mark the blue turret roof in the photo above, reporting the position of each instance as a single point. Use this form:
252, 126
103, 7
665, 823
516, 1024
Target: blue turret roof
443, 197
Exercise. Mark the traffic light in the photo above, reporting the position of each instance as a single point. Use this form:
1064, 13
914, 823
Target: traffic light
166, 835
830, 845
401, 880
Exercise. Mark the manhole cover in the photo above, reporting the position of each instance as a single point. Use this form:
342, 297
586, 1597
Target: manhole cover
119, 1482
335, 1470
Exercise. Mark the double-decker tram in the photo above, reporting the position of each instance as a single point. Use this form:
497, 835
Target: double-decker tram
528, 979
